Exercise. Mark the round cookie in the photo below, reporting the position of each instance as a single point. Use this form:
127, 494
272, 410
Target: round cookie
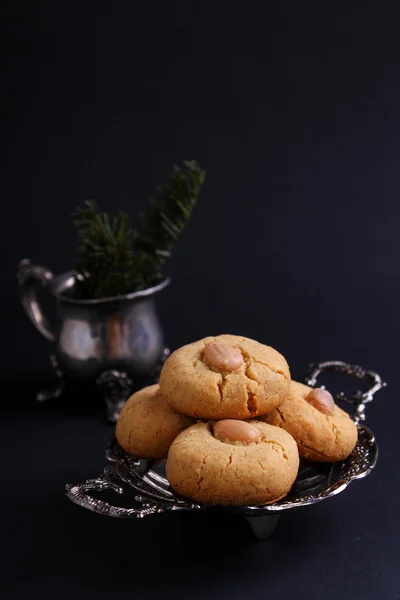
205, 465
147, 425
322, 434
225, 377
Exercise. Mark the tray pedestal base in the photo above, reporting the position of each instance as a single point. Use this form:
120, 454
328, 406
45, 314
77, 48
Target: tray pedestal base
263, 527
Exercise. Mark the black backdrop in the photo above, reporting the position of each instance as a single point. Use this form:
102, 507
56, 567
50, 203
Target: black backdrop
294, 113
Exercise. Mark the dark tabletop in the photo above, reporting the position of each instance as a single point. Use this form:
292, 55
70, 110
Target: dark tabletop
345, 547
294, 112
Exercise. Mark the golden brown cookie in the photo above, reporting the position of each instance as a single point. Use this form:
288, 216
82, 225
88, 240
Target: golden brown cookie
225, 377
147, 425
233, 463
322, 430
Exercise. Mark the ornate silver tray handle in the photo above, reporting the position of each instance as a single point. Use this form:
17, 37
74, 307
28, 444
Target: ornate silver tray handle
146, 490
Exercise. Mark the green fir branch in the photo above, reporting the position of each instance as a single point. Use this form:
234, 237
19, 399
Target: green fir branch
114, 259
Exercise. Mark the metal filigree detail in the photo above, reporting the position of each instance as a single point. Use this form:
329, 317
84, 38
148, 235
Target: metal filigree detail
360, 398
152, 493
116, 387
149, 492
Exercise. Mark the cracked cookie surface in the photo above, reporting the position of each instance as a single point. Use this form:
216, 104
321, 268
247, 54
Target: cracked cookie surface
202, 467
147, 425
194, 387
320, 437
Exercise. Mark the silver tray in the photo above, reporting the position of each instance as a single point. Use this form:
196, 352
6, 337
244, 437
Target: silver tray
146, 491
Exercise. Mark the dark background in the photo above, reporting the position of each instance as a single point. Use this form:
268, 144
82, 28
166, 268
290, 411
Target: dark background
294, 113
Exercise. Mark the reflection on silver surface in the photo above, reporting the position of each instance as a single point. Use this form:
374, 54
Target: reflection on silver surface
76, 340
117, 334
109, 335
92, 336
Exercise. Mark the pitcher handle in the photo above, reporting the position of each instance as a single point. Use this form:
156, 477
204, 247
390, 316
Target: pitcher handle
30, 277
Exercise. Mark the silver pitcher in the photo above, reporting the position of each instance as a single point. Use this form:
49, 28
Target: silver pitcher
116, 342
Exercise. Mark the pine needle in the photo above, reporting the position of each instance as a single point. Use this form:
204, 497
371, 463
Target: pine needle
114, 259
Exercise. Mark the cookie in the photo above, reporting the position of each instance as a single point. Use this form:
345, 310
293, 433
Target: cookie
225, 377
147, 425
233, 463
323, 431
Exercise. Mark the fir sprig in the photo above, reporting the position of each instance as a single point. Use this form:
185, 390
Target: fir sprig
167, 215
113, 259
105, 254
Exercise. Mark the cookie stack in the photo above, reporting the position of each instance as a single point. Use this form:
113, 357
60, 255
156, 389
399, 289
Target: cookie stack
232, 423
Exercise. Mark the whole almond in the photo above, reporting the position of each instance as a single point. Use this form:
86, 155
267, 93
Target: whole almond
222, 357
322, 400
236, 431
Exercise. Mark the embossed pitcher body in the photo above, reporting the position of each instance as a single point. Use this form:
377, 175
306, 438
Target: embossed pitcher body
92, 337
